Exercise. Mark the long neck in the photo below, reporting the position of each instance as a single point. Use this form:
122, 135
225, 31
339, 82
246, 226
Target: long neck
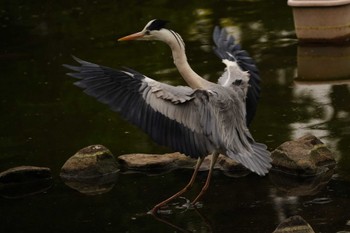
180, 60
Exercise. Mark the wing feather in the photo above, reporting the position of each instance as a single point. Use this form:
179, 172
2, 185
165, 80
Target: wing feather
167, 113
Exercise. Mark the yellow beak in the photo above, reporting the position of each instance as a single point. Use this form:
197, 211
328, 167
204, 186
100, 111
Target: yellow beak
134, 36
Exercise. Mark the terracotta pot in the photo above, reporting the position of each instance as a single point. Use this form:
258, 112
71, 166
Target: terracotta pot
321, 20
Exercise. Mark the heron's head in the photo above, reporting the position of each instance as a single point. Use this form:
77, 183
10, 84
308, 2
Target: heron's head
154, 30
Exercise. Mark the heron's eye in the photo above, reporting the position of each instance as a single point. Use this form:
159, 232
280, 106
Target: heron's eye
148, 32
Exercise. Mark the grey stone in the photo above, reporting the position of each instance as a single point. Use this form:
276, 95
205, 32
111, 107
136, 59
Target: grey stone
90, 162
304, 156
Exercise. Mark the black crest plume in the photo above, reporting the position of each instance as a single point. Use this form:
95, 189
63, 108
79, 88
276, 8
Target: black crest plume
157, 24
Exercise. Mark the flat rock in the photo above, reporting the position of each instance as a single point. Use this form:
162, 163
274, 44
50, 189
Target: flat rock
304, 156
22, 181
294, 224
88, 163
155, 163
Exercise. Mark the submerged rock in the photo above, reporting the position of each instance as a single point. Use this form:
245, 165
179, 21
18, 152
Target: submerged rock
90, 162
304, 156
294, 224
24, 174
23, 181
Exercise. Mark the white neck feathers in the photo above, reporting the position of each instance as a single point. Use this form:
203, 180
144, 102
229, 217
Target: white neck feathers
180, 60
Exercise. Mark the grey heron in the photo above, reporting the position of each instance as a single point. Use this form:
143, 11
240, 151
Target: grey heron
197, 120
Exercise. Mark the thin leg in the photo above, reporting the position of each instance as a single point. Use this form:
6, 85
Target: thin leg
207, 182
187, 187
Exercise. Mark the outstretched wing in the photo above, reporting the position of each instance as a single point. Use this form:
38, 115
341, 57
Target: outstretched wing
168, 114
227, 49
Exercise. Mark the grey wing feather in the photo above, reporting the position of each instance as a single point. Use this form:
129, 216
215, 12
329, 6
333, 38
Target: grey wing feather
224, 115
166, 113
227, 49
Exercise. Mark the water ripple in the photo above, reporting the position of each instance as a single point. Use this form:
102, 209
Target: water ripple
318, 201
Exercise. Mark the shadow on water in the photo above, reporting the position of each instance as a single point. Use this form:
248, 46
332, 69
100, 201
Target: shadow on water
45, 119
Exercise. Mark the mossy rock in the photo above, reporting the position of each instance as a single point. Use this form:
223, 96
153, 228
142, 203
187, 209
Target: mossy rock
90, 162
307, 155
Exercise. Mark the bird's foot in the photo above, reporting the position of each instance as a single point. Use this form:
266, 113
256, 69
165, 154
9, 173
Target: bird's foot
188, 205
168, 208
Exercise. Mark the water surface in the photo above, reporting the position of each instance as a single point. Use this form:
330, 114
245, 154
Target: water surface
45, 119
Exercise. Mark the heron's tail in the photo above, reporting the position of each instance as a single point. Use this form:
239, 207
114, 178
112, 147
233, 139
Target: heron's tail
259, 161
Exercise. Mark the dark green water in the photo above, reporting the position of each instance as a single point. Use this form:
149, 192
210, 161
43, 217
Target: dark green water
45, 119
